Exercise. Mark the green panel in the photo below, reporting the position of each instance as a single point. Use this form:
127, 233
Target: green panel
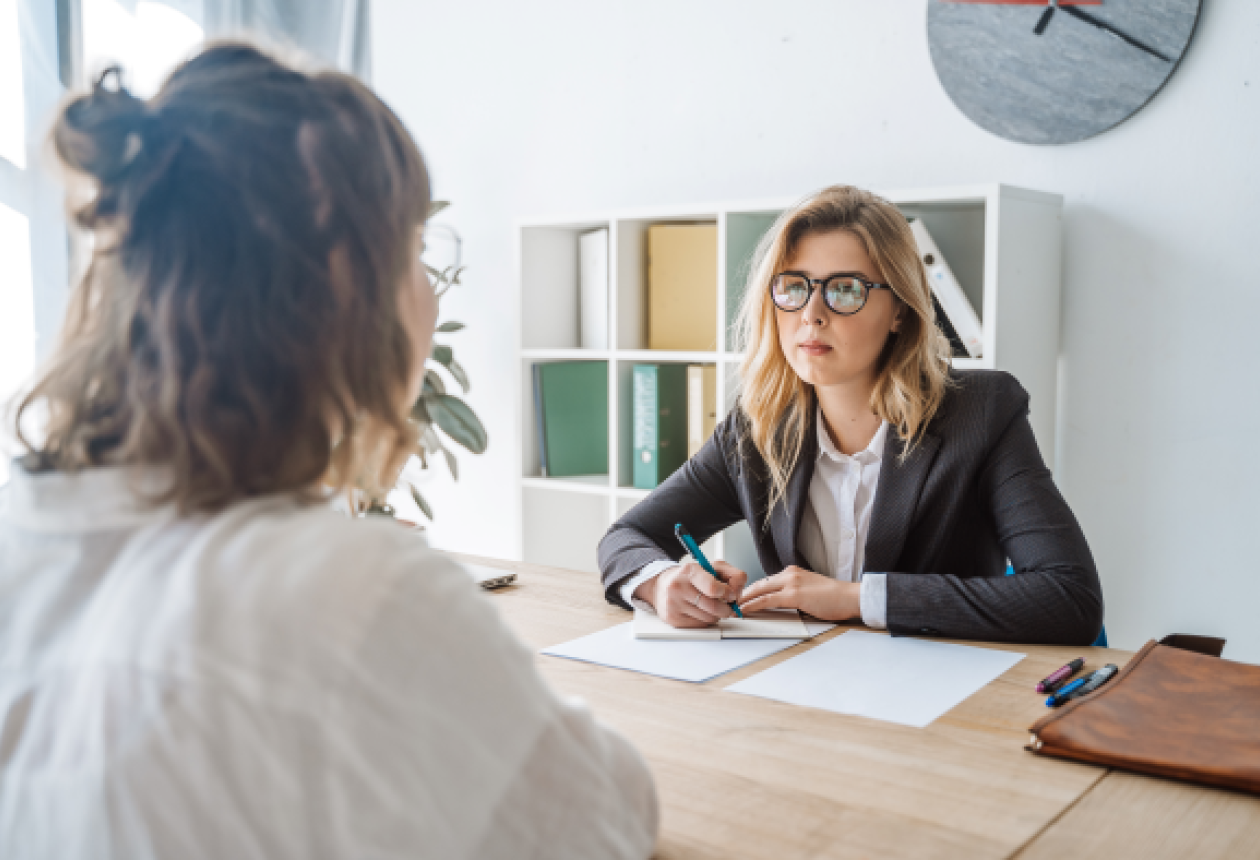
743, 232
660, 422
574, 397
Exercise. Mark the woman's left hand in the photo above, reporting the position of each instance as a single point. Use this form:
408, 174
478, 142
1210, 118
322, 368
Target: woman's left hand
797, 588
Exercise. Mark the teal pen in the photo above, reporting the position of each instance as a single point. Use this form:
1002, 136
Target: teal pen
1062, 695
689, 543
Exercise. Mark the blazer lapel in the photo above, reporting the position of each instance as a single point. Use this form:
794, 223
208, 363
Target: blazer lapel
785, 520
895, 500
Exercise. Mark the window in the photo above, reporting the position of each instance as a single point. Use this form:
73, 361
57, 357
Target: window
146, 38
12, 97
17, 308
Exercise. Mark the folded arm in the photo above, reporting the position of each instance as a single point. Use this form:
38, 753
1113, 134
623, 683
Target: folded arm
1055, 596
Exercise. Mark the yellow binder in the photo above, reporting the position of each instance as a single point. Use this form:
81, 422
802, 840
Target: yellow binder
682, 286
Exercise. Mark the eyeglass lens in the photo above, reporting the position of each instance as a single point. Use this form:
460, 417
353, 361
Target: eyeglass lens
843, 295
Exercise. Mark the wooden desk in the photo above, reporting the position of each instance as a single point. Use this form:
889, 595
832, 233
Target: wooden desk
741, 777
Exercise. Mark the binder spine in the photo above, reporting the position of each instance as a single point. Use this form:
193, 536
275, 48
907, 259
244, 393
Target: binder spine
646, 427
540, 420
695, 409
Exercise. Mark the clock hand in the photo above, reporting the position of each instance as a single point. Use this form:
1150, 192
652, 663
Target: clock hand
1107, 28
1045, 17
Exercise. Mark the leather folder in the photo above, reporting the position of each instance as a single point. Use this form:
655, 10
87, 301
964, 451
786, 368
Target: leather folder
1175, 710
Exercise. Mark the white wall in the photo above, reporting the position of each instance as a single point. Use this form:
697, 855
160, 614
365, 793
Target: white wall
557, 106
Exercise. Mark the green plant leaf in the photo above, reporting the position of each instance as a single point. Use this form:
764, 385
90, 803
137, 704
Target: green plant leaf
437, 206
450, 327
451, 463
419, 411
421, 503
433, 383
442, 353
459, 373
458, 421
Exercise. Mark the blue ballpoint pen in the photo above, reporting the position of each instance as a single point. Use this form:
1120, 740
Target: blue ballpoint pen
692, 547
1061, 696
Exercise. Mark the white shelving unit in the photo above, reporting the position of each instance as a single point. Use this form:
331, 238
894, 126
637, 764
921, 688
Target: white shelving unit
1003, 244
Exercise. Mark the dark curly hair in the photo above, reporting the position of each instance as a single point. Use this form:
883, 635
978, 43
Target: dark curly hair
252, 225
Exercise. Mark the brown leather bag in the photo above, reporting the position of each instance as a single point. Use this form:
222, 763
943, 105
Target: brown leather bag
1169, 712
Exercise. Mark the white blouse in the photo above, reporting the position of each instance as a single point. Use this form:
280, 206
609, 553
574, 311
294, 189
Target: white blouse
277, 681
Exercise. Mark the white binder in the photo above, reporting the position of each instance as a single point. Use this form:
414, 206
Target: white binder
593, 290
962, 316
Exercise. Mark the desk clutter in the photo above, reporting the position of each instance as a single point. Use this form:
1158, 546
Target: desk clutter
1175, 710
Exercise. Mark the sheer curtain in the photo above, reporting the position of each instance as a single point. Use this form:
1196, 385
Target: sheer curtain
334, 31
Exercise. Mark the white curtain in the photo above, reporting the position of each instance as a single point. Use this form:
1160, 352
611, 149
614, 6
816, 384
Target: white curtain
335, 31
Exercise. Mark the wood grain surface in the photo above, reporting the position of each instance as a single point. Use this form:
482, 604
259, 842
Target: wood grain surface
745, 777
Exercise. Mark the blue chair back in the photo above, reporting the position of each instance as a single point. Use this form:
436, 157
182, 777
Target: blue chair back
1100, 642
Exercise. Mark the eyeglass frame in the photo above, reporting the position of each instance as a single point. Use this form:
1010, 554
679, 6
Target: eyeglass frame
820, 283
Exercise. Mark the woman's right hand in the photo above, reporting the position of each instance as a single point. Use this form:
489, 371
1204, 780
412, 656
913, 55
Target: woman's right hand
688, 596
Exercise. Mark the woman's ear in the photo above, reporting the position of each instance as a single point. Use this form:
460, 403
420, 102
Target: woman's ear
898, 313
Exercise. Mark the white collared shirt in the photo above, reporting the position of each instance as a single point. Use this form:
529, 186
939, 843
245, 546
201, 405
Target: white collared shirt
835, 524
277, 681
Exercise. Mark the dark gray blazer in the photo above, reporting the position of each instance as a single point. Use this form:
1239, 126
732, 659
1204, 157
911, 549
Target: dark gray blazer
972, 494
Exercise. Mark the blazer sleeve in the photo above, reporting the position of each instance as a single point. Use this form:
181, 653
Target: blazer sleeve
1055, 596
702, 495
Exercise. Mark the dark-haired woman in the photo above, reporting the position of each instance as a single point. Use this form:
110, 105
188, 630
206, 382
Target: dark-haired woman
198, 658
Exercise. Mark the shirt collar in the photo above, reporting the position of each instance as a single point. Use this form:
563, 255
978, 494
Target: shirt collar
89, 500
871, 454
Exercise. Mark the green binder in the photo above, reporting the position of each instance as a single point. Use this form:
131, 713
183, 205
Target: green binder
659, 400
572, 399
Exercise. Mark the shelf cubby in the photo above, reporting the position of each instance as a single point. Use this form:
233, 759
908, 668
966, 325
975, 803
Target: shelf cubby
630, 274
549, 284
625, 404
531, 464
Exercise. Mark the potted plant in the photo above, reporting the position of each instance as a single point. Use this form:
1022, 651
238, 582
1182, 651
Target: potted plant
440, 416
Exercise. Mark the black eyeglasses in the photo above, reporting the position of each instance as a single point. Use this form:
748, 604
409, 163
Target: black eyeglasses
843, 294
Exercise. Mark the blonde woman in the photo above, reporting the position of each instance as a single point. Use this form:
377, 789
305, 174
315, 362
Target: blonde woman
200, 658
878, 483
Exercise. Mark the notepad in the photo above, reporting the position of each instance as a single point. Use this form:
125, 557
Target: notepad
900, 680
768, 624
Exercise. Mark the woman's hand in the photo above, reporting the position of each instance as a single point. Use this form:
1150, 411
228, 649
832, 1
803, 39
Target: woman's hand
687, 596
796, 588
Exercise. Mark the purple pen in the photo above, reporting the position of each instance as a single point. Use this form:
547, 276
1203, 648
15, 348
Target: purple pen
1052, 681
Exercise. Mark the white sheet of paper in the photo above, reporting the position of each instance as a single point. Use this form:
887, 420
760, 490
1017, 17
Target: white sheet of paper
817, 627
682, 661
907, 681
770, 624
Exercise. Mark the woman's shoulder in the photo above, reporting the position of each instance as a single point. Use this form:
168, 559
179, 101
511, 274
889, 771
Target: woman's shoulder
985, 395
308, 574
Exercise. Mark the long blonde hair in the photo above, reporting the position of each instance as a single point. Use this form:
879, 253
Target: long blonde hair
238, 322
914, 366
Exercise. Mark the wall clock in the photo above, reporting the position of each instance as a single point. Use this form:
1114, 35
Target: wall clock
1056, 71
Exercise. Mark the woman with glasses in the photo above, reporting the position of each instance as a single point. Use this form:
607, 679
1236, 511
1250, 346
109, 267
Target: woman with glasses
878, 482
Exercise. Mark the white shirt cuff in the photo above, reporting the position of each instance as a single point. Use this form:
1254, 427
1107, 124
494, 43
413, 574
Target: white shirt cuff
874, 600
650, 570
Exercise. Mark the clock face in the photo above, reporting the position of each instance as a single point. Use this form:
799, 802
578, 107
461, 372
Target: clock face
1092, 66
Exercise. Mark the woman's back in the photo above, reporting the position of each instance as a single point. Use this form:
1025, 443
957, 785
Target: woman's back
276, 680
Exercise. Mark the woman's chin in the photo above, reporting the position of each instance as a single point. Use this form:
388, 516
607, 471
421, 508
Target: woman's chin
826, 370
